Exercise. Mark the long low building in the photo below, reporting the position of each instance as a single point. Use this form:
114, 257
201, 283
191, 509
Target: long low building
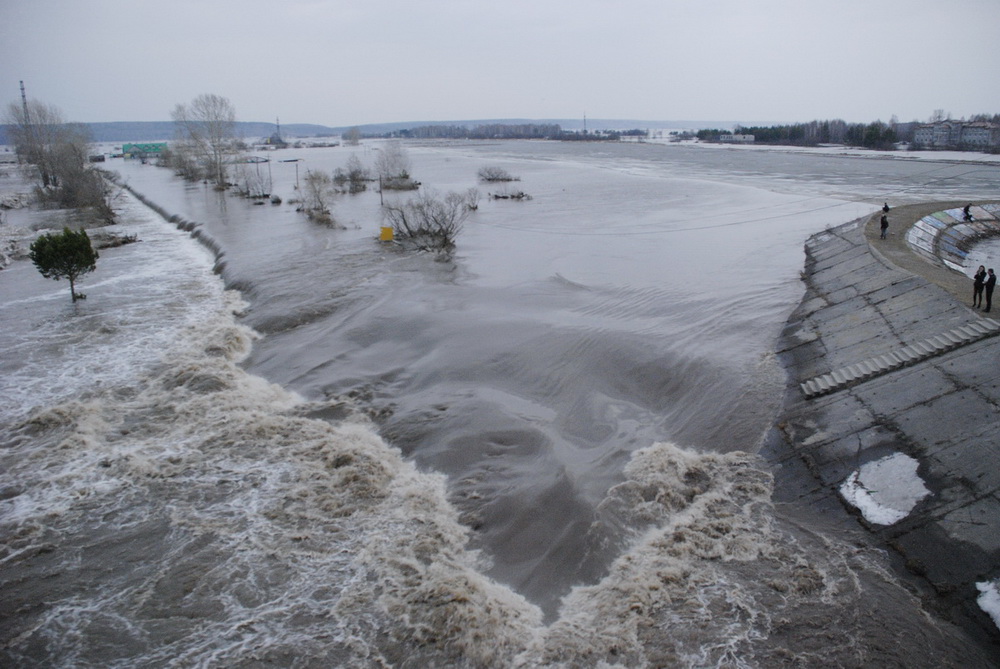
979, 135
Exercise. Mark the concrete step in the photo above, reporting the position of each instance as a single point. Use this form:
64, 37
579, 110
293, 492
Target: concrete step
954, 337
967, 333
904, 356
976, 329
982, 326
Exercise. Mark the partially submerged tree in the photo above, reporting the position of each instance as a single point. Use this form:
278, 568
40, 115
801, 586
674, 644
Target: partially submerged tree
252, 181
206, 133
318, 194
65, 255
428, 222
354, 175
393, 167
490, 174
59, 153
472, 197
35, 128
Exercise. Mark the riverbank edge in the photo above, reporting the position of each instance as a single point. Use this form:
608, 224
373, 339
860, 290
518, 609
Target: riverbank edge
807, 486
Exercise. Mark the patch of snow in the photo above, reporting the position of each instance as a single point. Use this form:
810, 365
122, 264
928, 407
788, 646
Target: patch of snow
885, 490
841, 150
989, 599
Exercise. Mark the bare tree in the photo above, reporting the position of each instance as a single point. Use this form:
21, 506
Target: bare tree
206, 130
35, 128
472, 197
353, 136
251, 181
319, 192
491, 174
354, 175
428, 222
393, 167
58, 151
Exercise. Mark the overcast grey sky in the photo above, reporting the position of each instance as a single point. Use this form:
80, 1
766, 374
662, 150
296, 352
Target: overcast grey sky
338, 62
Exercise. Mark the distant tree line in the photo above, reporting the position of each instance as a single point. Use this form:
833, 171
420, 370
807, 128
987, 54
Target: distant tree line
984, 118
511, 131
488, 131
600, 135
875, 135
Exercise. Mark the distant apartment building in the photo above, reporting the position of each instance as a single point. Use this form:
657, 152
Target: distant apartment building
978, 136
736, 139
981, 135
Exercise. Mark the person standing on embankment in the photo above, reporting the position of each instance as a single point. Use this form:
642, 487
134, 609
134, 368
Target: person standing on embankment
991, 282
978, 280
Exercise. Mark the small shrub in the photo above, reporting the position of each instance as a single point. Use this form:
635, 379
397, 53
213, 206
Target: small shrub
492, 174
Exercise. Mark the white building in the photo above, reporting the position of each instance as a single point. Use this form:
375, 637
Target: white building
949, 134
981, 135
736, 139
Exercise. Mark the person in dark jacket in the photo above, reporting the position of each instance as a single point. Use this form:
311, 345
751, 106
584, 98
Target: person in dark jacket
978, 279
991, 282
884, 225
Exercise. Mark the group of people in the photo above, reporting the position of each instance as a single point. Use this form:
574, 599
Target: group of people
884, 223
984, 281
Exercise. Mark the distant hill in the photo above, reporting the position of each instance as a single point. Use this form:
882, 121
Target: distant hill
148, 131
564, 123
144, 131
136, 131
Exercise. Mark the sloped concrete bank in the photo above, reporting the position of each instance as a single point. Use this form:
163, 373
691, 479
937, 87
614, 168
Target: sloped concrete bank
866, 298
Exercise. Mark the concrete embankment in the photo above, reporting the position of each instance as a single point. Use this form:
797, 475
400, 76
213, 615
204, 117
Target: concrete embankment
869, 299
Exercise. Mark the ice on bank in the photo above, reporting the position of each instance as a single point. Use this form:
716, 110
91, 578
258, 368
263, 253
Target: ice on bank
885, 490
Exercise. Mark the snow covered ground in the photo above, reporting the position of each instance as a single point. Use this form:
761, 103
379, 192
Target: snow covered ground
885, 490
841, 150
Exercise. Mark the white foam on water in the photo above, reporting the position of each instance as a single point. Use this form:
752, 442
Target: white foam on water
197, 519
140, 296
885, 490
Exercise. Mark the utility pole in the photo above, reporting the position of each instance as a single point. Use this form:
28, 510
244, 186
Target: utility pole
33, 148
24, 102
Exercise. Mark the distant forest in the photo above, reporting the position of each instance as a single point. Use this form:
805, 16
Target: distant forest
875, 135
509, 131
